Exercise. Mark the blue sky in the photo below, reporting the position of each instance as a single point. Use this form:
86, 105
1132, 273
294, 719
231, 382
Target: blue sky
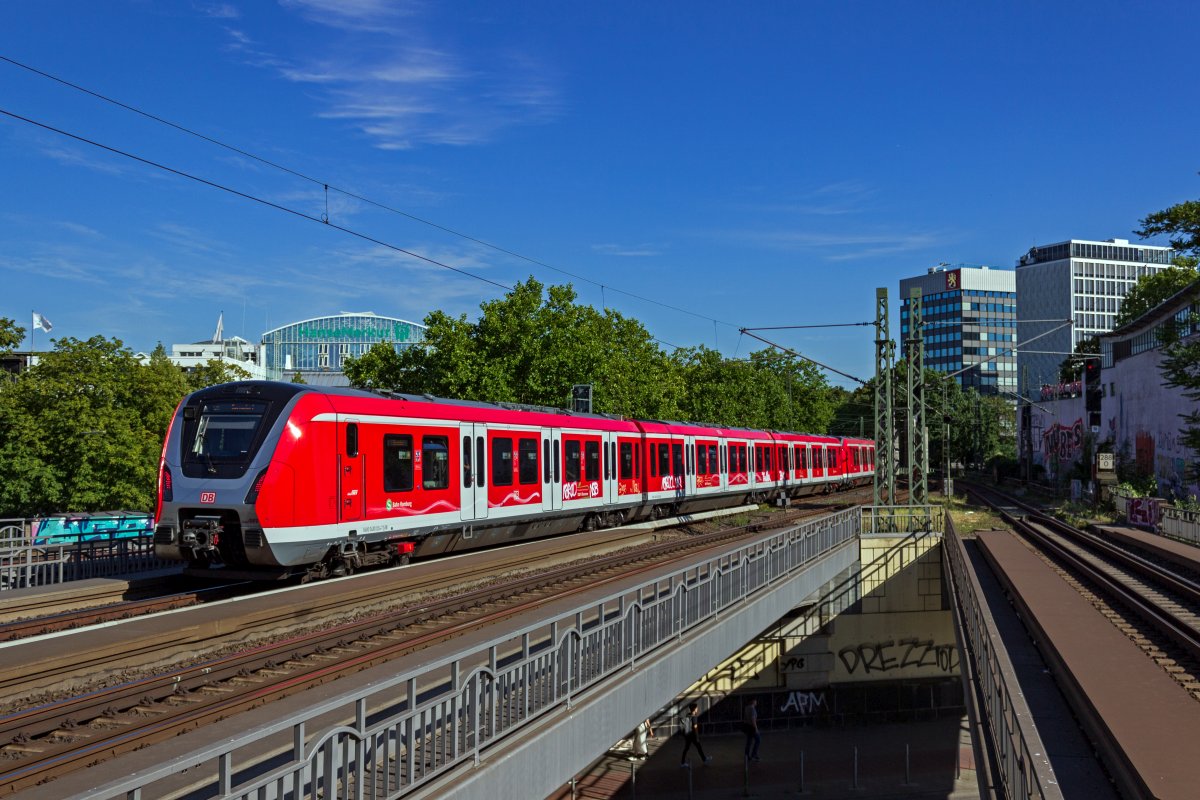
758, 164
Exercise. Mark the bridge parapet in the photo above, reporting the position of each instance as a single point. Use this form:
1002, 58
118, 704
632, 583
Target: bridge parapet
456, 707
1020, 755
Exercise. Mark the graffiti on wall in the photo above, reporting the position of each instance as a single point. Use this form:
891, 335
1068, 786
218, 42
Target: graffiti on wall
1063, 442
904, 653
804, 703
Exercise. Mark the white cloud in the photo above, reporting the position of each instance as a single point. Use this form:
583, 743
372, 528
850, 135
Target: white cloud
383, 74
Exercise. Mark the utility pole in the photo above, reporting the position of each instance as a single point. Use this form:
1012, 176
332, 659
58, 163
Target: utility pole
918, 439
885, 457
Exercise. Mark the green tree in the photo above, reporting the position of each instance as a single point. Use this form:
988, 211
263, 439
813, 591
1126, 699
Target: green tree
214, 372
11, 335
530, 347
83, 428
1181, 222
1150, 290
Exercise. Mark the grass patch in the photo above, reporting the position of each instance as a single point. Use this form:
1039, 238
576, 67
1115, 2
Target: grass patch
969, 517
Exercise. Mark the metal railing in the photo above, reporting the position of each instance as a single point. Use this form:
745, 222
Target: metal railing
899, 520
1023, 767
400, 733
27, 562
1180, 523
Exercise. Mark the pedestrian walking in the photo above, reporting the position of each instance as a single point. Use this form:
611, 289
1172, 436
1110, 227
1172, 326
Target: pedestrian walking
641, 736
750, 728
689, 726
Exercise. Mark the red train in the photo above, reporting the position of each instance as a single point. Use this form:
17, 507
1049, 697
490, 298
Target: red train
278, 479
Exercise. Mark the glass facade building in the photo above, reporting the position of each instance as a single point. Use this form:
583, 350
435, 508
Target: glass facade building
317, 348
1080, 281
970, 318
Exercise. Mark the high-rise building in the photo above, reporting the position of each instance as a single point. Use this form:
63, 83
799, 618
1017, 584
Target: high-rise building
1077, 285
969, 318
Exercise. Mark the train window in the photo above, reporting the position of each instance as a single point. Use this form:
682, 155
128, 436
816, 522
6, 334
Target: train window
637, 460
803, 452
722, 449
664, 459
766, 451
702, 460
556, 461
546, 461
352, 439
713, 469
435, 462
397, 463
571, 469
591, 464
466, 451
527, 470
480, 471
502, 466
677, 459
627, 461
608, 460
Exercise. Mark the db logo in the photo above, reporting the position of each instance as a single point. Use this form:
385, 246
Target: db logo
208, 497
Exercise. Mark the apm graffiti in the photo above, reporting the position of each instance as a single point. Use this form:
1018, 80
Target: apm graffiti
1059, 440
904, 654
804, 703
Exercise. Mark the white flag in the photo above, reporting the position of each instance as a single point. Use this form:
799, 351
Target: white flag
41, 323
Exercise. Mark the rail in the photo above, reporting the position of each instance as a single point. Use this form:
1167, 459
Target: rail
1023, 767
31, 557
399, 733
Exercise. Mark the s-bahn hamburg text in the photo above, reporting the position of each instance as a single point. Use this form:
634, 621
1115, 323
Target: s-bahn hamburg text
272, 480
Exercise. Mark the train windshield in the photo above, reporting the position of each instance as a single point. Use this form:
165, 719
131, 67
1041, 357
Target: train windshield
225, 433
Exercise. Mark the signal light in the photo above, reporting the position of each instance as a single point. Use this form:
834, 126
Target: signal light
168, 493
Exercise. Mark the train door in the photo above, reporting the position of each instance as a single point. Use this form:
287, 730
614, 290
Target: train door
474, 471
350, 472
609, 471
690, 449
552, 499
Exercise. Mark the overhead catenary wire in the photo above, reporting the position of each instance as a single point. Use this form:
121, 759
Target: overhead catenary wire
353, 195
323, 220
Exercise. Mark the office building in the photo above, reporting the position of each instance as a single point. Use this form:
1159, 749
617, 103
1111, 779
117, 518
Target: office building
1071, 291
970, 317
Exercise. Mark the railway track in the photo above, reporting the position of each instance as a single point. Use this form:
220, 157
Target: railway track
56, 737
37, 616
1154, 602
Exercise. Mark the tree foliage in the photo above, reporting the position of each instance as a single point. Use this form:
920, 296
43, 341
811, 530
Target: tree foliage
11, 335
1150, 290
532, 345
82, 429
1181, 222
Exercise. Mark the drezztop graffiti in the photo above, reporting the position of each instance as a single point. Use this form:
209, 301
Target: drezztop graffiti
1062, 442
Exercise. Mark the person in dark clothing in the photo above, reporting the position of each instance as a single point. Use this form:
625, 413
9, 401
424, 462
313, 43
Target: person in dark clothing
750, 728
689, 726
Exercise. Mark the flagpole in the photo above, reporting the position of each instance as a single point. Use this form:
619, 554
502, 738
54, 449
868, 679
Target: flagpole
32, 332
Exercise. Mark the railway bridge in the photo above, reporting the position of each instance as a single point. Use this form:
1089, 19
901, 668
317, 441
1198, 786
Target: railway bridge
522, 709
